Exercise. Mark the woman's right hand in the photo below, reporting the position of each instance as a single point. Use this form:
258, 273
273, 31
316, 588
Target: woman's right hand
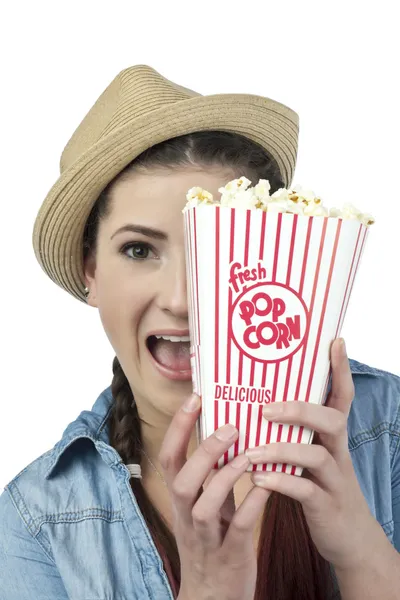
215, 541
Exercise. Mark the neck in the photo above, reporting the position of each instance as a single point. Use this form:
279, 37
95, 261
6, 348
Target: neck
154, 426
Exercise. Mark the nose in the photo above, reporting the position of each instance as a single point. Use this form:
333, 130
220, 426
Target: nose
172, 295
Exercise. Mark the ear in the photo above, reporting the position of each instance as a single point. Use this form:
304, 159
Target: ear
89, 268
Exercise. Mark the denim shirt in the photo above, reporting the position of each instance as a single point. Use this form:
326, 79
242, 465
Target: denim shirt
70, 526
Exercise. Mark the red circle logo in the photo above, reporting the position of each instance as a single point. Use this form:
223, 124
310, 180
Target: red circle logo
269, 322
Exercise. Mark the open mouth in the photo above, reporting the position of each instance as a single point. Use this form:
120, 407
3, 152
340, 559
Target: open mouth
171, 352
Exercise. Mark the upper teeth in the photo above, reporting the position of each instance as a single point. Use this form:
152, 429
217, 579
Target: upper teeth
174, 338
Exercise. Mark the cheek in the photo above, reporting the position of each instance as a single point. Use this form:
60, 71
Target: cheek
121, 312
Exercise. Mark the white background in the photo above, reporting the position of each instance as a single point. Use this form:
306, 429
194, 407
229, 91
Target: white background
336, 64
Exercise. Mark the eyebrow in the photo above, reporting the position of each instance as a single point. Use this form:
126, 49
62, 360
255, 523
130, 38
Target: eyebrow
147, 231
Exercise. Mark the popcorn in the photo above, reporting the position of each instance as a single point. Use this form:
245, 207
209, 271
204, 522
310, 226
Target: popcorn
314, 209
242, 199
367, 219
196, 196
261, 190
238, 193
277, 206
281, 194
241, 183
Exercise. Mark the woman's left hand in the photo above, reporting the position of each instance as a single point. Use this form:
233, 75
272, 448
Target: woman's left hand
340, 522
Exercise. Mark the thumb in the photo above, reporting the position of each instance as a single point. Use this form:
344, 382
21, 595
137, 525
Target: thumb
342, 391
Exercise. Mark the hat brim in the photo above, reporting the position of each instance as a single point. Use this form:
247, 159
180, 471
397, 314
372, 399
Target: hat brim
60, 223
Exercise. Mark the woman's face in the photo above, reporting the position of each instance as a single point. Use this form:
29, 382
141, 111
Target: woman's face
138, 281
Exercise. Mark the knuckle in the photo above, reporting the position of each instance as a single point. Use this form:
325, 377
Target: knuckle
200, 517
323, 457
181, 491
240, 525
340, 426
308, 490
166, 460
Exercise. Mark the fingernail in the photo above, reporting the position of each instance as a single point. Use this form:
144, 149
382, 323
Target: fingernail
191, 404
226, 432
261, 478
240, 461
272, 410
255, 453
343, 345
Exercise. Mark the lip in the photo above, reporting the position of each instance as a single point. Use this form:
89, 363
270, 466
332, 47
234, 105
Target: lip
164, 371
177, 332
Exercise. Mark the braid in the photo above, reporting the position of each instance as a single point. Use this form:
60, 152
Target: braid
126, 439
125, 422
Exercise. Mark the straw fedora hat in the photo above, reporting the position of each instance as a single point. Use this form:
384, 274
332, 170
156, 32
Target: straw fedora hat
138, 109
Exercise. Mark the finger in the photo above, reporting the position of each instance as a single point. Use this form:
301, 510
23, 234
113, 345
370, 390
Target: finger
209, 510
316, 459
229, 506
305, 491
342, 390
318, 417
187, 483
239, 536
173, 452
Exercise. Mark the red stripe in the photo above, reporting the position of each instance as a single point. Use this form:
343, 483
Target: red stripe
321, 247
197, 278
236, 450
285, 391
240, 370
216, 423
269, 430
262, 239
326, 382
322, 317
265, 365
291, 249
190, 266
252, 369
245, 263
290, 360
260, 420
277, 242
305, 258
230, 334
303, 350
193, 306
199, 370
248, 427
348, 280
246, 247
264, 375
302, 278
217, 232
355, 273
278, 439
226, 421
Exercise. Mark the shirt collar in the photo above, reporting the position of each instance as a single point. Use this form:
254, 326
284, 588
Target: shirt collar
92, 424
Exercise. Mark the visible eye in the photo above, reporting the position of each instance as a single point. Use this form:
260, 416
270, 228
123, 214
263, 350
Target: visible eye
140, 250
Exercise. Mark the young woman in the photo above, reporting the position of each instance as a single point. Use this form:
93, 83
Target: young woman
126, 504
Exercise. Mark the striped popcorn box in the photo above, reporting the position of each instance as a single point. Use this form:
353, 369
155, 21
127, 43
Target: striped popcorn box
268, 293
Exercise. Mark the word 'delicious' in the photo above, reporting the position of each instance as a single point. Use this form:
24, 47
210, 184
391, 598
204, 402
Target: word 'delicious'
234, 393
